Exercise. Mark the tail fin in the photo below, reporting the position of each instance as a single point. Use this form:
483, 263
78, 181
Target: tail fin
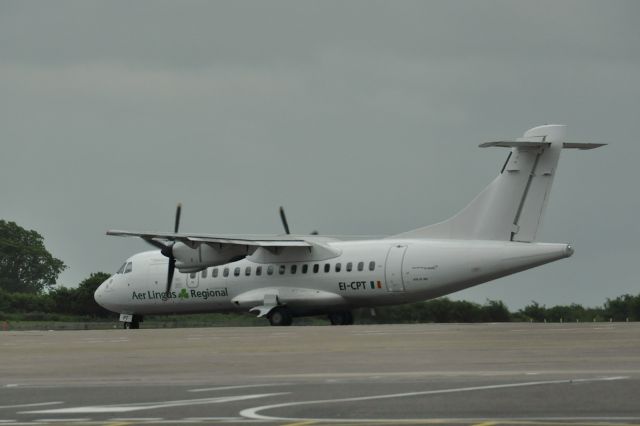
512, 206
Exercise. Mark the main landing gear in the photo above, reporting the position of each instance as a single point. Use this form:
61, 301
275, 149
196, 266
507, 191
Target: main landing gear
280, 316
341, 318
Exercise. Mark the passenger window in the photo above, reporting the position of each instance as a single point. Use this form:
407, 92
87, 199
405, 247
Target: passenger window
204, 273
327, 267
270, 270
360, 266
258, 270
128, 268
282, 269
214, 274
121, 270
305, 268
349, 266
236, 271
225, 272
338, 267
247, 271
372, 265
192, 275
294, 268
316, 268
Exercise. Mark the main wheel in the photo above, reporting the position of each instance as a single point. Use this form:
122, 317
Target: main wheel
280, 316
341, 318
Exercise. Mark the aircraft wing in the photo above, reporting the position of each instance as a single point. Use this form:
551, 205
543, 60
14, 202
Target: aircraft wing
244, 240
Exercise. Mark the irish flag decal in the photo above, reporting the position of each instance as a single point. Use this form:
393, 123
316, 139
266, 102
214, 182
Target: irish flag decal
376, 284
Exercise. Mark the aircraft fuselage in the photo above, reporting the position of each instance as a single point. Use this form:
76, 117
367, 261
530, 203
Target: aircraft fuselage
366, 274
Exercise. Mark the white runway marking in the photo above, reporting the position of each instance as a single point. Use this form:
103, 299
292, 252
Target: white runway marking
125, 408
136, 419
212, 419
237, 387
35, 404
252, 413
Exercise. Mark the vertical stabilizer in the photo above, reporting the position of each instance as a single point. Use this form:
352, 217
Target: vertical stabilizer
511, 207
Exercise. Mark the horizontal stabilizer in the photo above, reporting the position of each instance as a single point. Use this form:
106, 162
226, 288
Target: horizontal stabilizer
524, 144
582, 145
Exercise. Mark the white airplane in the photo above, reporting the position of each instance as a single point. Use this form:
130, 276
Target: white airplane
285, 276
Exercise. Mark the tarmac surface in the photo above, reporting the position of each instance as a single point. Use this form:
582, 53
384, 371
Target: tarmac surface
453, 374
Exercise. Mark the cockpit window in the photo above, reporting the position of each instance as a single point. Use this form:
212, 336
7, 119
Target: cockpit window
128, 268
121, 270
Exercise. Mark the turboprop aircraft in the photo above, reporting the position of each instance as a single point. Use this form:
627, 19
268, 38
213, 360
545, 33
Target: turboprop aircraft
281, 277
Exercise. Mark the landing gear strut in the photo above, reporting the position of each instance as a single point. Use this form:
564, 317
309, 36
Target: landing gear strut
341, 318
280, 316
134, 323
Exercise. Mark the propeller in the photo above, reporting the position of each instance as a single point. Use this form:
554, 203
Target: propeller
285, 224
283, 217
167, 250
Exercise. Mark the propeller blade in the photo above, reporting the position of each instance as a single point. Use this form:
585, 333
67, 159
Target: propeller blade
176, 225
283, 217
155, 243
170, 271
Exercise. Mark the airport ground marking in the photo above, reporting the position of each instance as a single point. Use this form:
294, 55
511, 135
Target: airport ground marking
135, 419
237, 387
252, 413
125, 408
34, 404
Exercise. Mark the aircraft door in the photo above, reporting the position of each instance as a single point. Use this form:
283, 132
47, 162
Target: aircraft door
393, 268
193, 280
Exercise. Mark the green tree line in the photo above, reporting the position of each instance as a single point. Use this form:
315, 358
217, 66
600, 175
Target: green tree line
622, 308
59, 303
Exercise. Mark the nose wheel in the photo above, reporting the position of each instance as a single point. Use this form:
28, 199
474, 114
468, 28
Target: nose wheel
134, 324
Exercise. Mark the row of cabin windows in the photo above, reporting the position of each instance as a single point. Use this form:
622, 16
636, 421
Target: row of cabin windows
282, 269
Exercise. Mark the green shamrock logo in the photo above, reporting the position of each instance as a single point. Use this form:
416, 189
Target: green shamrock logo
183, 294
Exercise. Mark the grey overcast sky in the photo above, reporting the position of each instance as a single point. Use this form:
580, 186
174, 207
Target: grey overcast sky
361, 117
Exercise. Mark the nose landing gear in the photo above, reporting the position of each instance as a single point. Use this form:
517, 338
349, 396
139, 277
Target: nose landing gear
132, 322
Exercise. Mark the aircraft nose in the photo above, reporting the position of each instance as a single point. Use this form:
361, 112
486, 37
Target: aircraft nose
99, 295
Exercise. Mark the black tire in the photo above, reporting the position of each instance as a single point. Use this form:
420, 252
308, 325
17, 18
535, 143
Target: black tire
280, 317
126, 325
341, 318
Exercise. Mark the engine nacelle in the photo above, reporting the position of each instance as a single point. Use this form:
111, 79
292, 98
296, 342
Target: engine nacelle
202, 256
